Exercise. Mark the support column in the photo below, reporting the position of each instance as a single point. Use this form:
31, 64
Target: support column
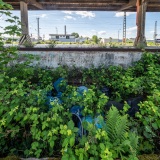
24, 23
140, 40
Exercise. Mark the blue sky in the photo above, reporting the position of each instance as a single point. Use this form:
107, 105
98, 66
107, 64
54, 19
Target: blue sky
87, 23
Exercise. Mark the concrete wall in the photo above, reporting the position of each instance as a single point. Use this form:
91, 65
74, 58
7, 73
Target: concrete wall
53, 59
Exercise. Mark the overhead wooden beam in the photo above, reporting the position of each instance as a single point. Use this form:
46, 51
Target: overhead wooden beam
98, 5
106, 5
131, 4
35, 3
83, 1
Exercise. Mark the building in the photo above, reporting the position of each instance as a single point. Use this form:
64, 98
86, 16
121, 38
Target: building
62, 37
110, 40
81, 39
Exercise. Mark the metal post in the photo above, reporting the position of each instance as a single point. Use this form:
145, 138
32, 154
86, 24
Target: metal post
155, 32
124, 28
38, 29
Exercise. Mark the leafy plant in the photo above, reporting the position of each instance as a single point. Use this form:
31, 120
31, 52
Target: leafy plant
123, 140
52, 44
28, 44
149, 116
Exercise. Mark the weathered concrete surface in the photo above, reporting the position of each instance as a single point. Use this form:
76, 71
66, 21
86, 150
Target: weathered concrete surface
87, 59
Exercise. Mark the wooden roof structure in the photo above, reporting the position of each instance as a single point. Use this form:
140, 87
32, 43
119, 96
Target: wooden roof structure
87, 5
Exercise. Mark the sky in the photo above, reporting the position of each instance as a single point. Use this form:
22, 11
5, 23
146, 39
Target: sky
87, 23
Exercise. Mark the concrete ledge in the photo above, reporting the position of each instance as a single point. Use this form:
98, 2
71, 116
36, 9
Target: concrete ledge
85, 59
132, 49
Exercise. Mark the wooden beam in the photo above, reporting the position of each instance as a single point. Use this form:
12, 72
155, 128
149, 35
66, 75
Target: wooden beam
88, 5
24, 17
140, 40
95, 8
106, 5
24, 23
131, 4
83, 1
35, 3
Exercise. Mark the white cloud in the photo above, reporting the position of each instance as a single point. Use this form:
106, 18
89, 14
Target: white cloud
68, 12
151, 31
102, 32
132, 29
121, 14
83, 14
69, 17
41, 15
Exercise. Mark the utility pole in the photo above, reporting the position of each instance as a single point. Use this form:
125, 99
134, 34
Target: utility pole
124, 28
38, 34
118, 35
56, 30
155, 32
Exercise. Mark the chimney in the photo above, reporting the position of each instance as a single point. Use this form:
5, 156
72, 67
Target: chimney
65, 30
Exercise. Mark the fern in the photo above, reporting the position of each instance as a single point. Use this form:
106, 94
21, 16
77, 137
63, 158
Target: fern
124, 141
116, 125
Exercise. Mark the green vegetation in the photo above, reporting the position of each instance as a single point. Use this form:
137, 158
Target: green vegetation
30, 128
75, 34
52, 44
95, 39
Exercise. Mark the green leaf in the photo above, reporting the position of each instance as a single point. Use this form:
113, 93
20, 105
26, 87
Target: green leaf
72, 141
38, 152
51, 143
155, 126
102, 146
35, 145
81, 156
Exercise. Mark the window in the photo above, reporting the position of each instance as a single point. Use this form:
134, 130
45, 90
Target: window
67, 37
57, 37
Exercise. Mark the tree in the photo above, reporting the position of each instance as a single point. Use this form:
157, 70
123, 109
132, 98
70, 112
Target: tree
75, 34
95, 39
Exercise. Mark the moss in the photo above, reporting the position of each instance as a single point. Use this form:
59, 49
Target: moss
10, 158
149, 157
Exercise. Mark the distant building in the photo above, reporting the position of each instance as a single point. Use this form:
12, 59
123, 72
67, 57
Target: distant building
62, 37
81, 40
108, 40
157, 40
